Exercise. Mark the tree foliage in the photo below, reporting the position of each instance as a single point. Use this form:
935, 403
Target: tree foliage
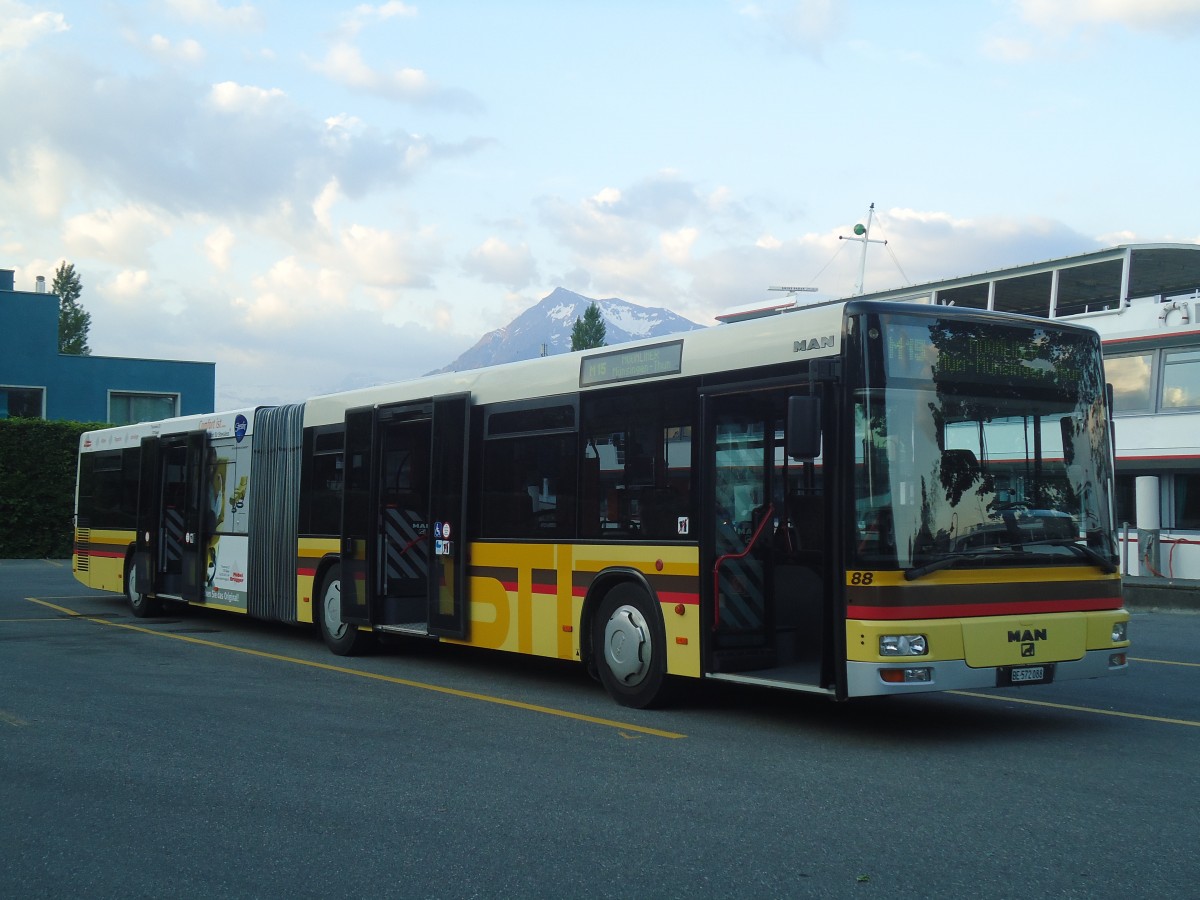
589, 331
37, 487
73, 320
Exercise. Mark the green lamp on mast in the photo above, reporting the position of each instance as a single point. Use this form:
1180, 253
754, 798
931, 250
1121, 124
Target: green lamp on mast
862, 233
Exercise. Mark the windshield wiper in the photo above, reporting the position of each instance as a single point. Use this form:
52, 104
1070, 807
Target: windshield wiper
1081, 550
952, 559
1013, 551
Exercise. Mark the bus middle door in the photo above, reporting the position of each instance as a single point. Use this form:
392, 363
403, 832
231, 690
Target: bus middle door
172, 536
385, 517
404, 529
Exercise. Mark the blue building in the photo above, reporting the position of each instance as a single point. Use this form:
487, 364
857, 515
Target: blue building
38, 381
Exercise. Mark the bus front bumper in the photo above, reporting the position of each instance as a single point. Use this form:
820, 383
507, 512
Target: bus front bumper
912, 676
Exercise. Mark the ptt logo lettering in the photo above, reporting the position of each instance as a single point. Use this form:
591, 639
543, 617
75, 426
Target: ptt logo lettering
1028, 639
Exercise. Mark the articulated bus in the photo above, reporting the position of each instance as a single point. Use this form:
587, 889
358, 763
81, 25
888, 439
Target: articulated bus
853, 499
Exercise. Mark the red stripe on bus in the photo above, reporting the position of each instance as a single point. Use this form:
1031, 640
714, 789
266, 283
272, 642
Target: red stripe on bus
964, 610
106, 554
688, 599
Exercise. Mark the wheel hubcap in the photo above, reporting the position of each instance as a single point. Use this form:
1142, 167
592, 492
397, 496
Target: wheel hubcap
627, 647
332, 605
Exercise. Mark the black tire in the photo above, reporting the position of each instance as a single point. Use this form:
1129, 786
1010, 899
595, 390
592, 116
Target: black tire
629, 648
341, 638
139, 604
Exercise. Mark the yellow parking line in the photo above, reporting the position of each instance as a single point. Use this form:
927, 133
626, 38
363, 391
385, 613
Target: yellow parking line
1165, 662
454, 692
1087, 709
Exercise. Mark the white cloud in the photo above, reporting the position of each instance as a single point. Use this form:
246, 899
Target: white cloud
382, 258
677, 245
802, 25
365, 15
497, 262
344, 64
212, 14
125, 234
323, 205
20, 25
292, 294
1167, 16
217, 246
127, 285
607, 197
231, 97
39, 182
185, 51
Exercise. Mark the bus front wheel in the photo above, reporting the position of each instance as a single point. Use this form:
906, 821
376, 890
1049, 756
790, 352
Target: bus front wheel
629, 649
340, 637
139, 604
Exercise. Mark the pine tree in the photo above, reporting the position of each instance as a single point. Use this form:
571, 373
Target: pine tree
589, 331
73, 320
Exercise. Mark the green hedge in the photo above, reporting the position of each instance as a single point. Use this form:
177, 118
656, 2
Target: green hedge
37, 487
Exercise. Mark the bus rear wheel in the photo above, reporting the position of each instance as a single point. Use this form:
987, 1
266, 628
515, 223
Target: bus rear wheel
139, 604
629, 649
340, 637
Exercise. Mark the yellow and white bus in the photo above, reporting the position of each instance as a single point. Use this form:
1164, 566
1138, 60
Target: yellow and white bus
856, 498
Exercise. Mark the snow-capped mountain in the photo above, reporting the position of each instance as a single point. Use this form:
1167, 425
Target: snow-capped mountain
550, 321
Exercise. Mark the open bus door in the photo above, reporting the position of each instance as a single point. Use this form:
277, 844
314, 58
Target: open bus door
172, 534
766, 567
402, 514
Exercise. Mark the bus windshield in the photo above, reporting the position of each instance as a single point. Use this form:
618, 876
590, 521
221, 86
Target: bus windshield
980, 449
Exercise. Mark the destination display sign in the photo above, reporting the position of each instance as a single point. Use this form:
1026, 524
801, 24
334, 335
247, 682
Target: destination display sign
932, 352
627, 365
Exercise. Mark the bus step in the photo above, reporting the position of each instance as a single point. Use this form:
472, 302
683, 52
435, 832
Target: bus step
420, 629
750, 659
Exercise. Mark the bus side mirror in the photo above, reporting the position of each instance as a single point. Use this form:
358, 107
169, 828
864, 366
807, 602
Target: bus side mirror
804, 427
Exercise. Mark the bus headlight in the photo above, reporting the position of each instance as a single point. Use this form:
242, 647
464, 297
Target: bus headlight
1119, 632
902, 645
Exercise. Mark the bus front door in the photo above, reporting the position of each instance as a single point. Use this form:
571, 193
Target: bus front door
402, 510
765, 558
172, 536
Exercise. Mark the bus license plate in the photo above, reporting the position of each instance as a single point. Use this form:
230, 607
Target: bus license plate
1043, 674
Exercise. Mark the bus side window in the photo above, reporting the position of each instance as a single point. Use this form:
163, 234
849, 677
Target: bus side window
528, 487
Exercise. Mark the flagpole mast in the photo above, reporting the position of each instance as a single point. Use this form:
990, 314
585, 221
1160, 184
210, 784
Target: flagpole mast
862, 234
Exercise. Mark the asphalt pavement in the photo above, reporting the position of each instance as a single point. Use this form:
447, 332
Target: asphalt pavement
209, 755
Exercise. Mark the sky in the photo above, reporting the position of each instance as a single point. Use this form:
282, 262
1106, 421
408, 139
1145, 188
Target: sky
324, 196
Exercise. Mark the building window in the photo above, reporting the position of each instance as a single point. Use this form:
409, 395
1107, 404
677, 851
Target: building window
127, 408
1187, 501
1126, 501
1027, 294
1131, 381
21, 402
1181, 379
